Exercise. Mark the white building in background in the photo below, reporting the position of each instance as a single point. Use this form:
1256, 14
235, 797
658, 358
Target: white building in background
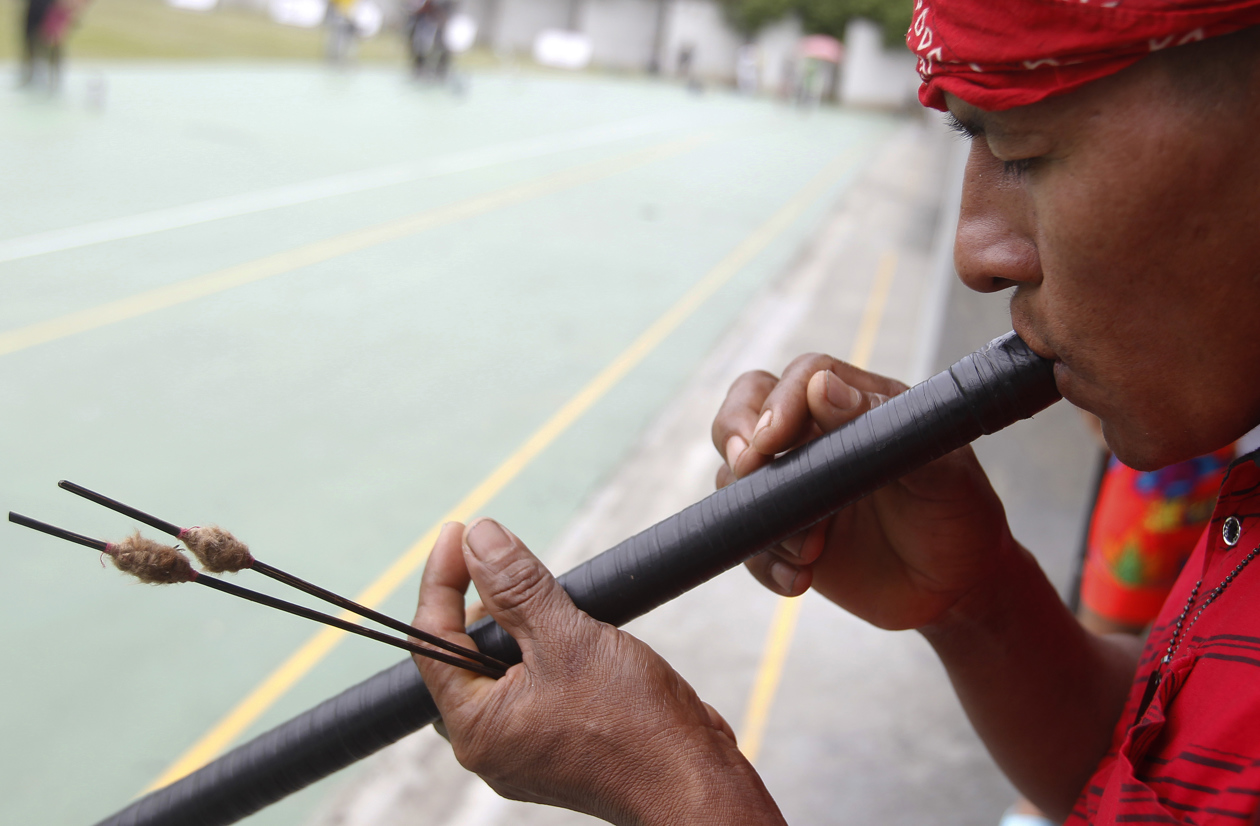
653, 35
636, 35
874, 75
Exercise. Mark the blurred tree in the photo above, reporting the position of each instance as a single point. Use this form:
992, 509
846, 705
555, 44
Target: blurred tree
822, 16
751, 16
831, 16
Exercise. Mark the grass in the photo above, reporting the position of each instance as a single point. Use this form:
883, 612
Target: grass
152, 30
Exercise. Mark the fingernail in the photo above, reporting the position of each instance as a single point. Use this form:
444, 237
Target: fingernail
487, 540
763, 422
735, 447
793, 544
841, 395
783, 574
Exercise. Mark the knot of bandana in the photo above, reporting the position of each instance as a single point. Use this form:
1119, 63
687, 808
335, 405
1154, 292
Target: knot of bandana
1021, 51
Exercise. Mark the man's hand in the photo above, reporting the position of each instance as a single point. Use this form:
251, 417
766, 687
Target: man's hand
933, 551
591, 719
899, 558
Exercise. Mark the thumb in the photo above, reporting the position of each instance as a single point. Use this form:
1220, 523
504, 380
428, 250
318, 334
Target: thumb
517, 589
833, 401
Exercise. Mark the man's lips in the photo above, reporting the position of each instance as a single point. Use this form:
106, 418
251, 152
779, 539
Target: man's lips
1065, 379
1035, 342
1023, 318
1063, 376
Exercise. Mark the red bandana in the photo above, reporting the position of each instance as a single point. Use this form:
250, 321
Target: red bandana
999, 55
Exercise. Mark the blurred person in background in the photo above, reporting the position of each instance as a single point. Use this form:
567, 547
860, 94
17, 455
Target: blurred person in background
341, 31
1112, 182
787, 79
34, 52
686, 68
426, 37
45, 26
748, 69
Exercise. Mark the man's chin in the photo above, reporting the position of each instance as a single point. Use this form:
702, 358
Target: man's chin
1142, 461
1145, 450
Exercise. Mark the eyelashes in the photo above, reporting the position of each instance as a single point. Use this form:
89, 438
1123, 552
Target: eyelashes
1014, 170
967, 130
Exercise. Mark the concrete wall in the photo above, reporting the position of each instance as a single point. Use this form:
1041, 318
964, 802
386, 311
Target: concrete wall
520, 21
776, 45
874, 75
622, 32
624, 35
700, 24
485, 12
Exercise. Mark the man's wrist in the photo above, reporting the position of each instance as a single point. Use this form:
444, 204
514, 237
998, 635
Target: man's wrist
710, 782
1011, 577
1042, 693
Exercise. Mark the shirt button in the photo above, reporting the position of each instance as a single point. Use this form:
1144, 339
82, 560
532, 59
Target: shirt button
1231, 531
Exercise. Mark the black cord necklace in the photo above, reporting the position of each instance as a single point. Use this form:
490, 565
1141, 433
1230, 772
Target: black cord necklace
1181, 629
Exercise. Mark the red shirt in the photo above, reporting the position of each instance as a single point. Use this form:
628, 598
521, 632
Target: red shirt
1194, 757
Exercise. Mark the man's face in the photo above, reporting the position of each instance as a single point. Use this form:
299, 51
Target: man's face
1127, 216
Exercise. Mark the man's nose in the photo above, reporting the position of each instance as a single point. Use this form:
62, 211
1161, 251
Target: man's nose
993, 249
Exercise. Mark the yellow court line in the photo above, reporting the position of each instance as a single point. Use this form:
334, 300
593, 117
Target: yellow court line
223, 733
787, 611
279, 263
769, 671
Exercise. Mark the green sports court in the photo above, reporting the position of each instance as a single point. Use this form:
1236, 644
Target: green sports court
327, 311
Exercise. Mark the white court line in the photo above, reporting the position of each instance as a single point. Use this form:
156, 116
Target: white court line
160, 220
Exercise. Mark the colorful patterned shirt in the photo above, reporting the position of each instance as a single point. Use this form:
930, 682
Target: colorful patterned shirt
1144, 526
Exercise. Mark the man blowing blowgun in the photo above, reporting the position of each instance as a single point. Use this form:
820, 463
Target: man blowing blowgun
1114, 185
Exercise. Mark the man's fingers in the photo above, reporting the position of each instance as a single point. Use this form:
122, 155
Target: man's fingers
516, 588
833, 402
793, 406
764, 415
475, 611
443, 585
441, 609
785, 419
805, 547
779, 575
718, 721
786, 568
867, 381
724, 477
737, 417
